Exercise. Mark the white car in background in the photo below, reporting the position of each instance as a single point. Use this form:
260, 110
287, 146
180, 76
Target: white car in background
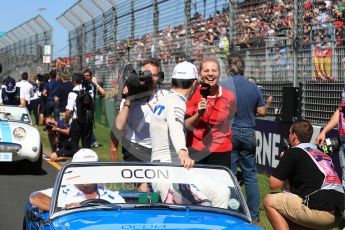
20, 141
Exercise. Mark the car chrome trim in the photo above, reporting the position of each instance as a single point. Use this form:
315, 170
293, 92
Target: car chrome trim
10, 147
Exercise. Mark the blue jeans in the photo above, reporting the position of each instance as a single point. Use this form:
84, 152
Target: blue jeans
244, 155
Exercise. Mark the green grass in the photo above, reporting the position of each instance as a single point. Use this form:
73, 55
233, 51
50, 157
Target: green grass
102, 133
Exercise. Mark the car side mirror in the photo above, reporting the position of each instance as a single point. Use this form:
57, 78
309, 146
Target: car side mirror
34, 214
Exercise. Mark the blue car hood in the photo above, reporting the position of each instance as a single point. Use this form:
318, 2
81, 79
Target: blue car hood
149, 219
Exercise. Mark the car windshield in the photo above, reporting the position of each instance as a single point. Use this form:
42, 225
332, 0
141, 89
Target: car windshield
14, 113
129, 185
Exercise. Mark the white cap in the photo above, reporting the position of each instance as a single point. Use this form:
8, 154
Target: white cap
185, 70
85, 155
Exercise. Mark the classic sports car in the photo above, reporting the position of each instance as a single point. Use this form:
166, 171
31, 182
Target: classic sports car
205, 197
20, 141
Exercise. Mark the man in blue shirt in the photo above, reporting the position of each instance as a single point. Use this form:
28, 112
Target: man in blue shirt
249, 104
52, 92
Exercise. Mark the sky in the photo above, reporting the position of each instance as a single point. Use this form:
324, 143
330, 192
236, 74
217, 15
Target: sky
15, 12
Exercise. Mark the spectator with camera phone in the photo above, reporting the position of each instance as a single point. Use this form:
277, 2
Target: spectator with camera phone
141, 93
315, 198
58, 133
208, 116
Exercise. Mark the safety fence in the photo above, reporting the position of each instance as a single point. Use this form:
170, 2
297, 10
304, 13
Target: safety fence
284, 43
22, 48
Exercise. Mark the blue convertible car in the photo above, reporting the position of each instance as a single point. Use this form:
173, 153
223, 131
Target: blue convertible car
205, 197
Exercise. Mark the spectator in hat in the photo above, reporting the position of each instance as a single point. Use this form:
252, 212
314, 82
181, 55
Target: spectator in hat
10, 94
73, 195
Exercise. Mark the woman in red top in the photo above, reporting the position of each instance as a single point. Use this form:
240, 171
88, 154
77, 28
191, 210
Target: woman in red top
208, 119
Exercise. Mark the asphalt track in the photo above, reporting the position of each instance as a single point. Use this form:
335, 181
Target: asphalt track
16, 188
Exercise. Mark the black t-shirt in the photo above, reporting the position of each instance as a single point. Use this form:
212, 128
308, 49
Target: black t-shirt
305, 177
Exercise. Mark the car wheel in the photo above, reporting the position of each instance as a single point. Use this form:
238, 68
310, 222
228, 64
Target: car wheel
24, 224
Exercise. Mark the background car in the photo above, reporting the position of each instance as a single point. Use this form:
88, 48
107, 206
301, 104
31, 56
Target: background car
20, 141
205, 197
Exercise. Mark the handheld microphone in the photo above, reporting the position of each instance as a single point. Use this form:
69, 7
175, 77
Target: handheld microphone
205, 90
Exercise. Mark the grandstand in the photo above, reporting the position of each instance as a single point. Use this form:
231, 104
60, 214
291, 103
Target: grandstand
284, 43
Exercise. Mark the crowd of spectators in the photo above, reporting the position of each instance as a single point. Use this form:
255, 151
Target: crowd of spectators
258, 24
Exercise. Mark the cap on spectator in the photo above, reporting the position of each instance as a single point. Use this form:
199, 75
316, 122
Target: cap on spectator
211, 31
270, 32
10, 85
254, 19
85, 155
202, 29
185, 71
339, 23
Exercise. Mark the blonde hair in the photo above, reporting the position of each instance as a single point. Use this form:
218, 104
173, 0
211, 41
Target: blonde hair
208, 59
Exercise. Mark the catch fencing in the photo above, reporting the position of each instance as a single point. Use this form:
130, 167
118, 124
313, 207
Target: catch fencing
22, 48
284, 43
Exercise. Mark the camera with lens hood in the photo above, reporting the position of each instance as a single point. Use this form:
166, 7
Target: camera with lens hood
330, 145
139, 84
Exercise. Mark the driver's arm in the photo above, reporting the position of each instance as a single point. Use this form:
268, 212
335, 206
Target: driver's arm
40, 200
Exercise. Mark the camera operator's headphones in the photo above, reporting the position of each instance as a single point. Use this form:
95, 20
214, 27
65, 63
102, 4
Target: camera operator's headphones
160, 76
157, 63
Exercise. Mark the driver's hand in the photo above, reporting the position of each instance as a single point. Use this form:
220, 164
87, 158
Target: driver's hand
72, 205
186, 161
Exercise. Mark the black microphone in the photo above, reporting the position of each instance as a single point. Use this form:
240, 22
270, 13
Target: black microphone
205, 90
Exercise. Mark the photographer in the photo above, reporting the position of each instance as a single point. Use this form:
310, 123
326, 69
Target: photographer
338, 119
136, 111
58, 133
316, 197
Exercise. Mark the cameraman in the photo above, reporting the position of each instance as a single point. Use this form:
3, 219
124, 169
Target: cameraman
58, 133
91, 81
316, 197
79, 128
135, 116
